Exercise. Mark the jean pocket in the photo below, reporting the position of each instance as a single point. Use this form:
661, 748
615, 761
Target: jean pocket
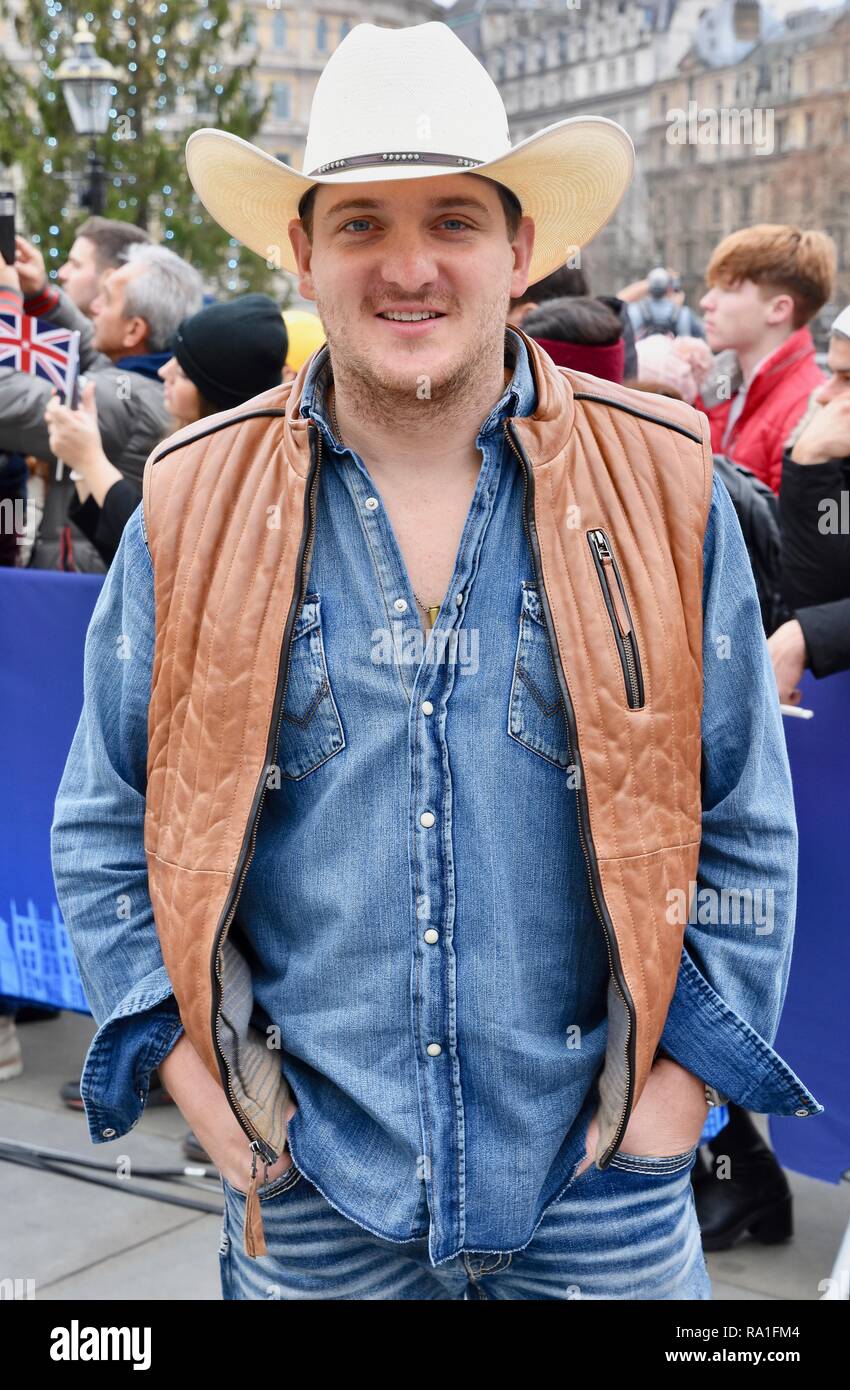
535, 708
310, 728
657, 1164
282, 1183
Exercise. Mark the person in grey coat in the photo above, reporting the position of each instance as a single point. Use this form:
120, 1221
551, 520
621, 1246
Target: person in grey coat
122, 346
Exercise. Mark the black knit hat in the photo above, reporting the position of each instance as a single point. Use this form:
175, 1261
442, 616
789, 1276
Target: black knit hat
233, 351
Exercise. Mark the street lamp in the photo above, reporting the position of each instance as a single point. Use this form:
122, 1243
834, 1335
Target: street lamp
86, 80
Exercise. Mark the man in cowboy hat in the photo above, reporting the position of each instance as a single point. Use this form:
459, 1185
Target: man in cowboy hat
406, 777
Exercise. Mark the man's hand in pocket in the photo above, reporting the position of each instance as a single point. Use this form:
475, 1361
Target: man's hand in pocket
668, 1118
208, 1113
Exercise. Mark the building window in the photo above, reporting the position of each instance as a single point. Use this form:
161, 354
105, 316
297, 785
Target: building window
611, 72
322, 34
746, 204
281, 98
279, 29
343, 29
591, 79
283, 156
810, 128
630, 67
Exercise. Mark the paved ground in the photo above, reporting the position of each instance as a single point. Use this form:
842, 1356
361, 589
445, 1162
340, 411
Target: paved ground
81, 1241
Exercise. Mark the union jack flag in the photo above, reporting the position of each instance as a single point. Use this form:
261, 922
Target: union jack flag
37, 347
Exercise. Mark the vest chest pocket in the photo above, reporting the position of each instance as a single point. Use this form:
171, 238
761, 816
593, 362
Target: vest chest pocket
535, 711
310, 728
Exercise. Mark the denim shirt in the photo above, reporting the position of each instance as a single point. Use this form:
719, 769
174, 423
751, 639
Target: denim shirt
417, 916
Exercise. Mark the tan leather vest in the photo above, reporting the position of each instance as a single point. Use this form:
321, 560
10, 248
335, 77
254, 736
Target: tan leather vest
617, 499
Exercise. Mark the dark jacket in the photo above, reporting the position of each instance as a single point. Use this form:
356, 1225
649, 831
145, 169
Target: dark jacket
815, 572
757, 509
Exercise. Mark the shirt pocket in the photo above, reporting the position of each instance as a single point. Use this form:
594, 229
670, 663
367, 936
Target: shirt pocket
535, 709
310, 728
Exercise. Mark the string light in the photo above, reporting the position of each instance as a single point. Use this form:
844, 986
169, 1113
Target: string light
159, 80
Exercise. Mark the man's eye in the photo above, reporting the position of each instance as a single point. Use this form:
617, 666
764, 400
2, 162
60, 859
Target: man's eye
457, 221
359, 223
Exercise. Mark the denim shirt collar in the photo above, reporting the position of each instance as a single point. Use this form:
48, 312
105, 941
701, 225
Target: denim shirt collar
518, 398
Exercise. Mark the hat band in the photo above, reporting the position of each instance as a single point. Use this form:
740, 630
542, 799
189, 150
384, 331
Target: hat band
363, 161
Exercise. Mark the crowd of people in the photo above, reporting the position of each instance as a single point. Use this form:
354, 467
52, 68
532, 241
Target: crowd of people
156, 356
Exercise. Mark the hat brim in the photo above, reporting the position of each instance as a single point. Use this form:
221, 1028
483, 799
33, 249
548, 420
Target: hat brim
569, 177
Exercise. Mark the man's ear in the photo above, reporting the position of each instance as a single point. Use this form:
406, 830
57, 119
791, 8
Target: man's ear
303, 252
781, 309
522, 247
136, 330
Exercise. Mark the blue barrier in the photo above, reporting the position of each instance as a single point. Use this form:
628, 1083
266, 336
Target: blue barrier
43, 619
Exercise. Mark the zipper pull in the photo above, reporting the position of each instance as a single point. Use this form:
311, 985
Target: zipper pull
601, 546
253, 1235
603, 550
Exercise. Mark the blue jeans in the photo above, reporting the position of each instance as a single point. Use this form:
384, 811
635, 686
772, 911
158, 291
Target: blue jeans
629, 1231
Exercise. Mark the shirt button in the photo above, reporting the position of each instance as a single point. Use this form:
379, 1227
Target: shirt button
400, 605
801, 1112
108, 1133
427, 818
458, 599
427, 707
431, 936
371, 503
433, 1049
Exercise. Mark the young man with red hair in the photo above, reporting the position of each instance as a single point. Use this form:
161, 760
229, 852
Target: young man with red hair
766, 283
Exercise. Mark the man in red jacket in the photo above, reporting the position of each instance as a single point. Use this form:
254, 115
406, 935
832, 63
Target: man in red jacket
765, 284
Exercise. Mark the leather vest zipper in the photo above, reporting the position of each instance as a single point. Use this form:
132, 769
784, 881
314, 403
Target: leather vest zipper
258, 1145
618, 611
585, 837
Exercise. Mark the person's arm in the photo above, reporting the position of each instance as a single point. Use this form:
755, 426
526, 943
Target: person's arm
98, 854
24, 400
104, 525
826, 633
45, 300
742, 938
815, 547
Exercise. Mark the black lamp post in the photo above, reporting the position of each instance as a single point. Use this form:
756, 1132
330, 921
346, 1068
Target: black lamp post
86, 80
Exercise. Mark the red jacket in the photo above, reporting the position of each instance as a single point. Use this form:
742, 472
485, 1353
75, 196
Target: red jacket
777, 398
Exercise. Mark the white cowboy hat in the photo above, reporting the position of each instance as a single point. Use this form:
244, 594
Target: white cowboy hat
411, 103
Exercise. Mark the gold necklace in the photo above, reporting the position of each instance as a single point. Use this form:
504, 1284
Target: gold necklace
432, 609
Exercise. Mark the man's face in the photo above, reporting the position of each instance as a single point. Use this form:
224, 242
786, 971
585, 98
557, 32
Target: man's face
433, 245
79, 276
114, 334
739, 314
838, 366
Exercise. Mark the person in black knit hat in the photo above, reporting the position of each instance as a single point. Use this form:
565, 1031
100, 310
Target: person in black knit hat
222, 356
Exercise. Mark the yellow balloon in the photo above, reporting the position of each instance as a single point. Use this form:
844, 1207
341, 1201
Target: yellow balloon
305, 333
